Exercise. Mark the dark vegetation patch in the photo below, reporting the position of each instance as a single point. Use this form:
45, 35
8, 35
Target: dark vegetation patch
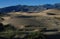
9, 32
57, 18
51, 14
24, 16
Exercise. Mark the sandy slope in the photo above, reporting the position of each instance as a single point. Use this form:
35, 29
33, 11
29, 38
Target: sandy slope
42, 19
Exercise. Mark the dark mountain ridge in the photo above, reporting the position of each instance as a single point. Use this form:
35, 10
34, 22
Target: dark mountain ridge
25, 8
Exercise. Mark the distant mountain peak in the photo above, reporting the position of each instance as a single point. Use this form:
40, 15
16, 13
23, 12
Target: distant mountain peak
26, 8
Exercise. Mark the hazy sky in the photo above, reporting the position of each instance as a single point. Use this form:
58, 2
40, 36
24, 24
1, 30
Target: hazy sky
5, 3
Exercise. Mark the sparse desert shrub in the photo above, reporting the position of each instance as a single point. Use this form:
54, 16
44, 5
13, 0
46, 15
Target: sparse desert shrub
9, 27
35, 35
